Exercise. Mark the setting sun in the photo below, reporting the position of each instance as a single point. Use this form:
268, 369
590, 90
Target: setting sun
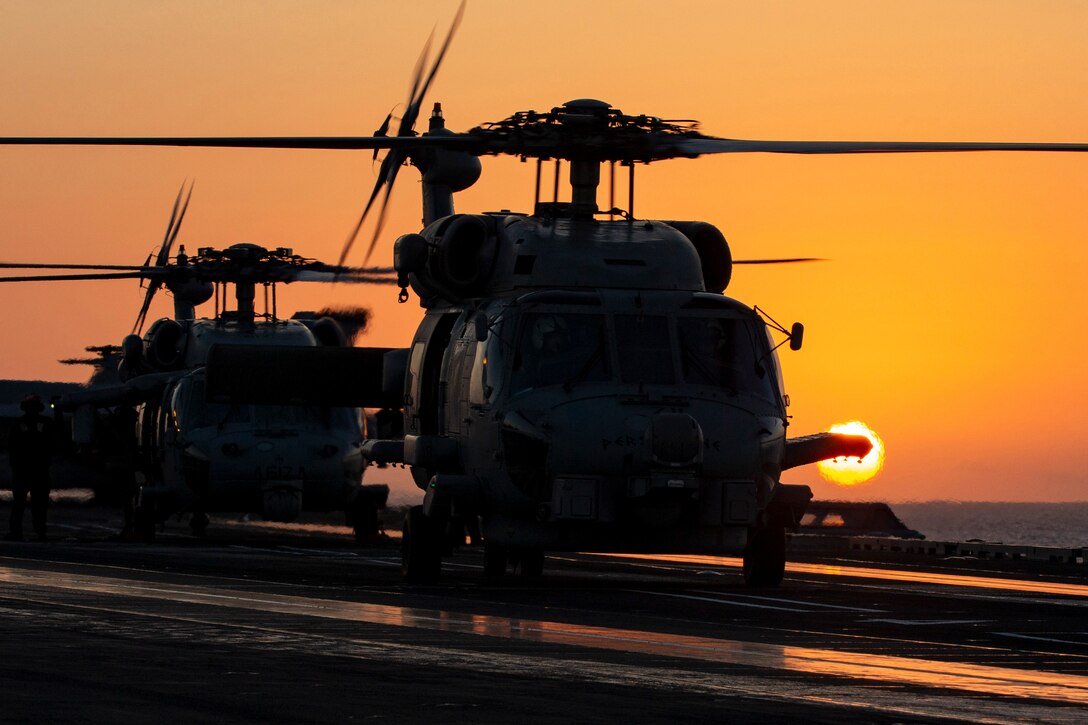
850, 471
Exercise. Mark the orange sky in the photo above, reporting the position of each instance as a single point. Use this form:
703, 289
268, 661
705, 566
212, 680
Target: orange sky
950, 318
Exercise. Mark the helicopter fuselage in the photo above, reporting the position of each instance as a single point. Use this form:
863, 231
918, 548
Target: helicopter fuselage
662, 429
575, 385
271, 460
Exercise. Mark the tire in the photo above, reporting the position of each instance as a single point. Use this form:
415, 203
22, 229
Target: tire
144, 519
362, 516
198, 524
531, 563
421, 553
495, 558
765, 557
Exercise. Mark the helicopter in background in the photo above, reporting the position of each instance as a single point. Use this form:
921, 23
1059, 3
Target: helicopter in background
224, 455
101, 436
577, 382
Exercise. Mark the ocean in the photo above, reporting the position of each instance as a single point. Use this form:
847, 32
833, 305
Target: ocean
1017, 524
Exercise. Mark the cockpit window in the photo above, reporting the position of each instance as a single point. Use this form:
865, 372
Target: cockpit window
645, 349
722, 352
192, 411
560, 348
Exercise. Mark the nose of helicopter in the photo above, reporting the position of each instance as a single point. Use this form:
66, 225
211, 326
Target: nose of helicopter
674, 439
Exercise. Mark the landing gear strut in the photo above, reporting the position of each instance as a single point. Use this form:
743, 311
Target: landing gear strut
421, 548
144, 517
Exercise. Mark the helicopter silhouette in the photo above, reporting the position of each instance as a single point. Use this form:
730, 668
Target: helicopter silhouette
145, 416
578, 381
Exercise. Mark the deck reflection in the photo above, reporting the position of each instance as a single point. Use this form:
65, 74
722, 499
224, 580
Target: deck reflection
858, 572
18, 583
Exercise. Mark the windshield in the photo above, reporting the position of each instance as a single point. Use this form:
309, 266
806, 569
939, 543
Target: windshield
705, 348
645, 349
723, 352
557, 348
192, 411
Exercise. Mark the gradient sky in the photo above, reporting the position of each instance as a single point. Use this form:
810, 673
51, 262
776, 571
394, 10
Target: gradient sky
950, 318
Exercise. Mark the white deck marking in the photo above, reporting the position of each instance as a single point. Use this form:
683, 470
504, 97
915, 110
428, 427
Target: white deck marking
924, 622
1035, 638
716, 600
798, 602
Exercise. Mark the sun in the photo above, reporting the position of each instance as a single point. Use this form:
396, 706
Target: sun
850, 471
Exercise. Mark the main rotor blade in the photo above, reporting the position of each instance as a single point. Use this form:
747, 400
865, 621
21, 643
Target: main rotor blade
333, 143
708, 145
381, 216
152, 288
163, 257
387, 172
789, 260
404, 128
341, 269
127, 267
164, 251
412, 112
392, 163
74, 277
312, 276
481, 144
175, 226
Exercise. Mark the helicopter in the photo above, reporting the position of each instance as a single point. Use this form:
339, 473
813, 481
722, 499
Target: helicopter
98, 435
579, 380
192, 454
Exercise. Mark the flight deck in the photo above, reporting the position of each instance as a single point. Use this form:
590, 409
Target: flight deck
259, 622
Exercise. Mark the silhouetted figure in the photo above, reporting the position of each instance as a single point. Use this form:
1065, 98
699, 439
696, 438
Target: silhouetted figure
30, 451
123, 423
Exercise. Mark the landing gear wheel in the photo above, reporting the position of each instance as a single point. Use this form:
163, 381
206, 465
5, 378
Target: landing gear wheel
531, 563
765, 557
198, 524
421, 552
144, 519
495, 561
363, 519
454, 535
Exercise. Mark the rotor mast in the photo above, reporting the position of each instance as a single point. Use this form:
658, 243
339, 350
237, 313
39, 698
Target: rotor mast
444, 172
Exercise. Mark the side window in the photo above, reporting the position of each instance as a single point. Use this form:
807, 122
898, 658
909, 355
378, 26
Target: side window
479, 390
415, 364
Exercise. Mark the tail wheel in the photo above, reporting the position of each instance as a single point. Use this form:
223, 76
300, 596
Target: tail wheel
765, 557
421, 548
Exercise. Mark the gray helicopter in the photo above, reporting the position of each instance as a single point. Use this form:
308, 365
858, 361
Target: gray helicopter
579, 381
187, 453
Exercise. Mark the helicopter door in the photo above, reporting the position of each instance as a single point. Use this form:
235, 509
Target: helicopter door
424, 401
461, 358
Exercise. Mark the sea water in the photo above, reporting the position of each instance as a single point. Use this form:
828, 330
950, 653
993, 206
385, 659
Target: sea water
1017, 524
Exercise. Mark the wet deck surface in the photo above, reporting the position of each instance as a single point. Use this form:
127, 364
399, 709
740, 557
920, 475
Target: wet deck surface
259, 623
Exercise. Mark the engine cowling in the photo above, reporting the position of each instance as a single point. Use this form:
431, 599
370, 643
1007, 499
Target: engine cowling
453, 258
714, 254
165, 345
